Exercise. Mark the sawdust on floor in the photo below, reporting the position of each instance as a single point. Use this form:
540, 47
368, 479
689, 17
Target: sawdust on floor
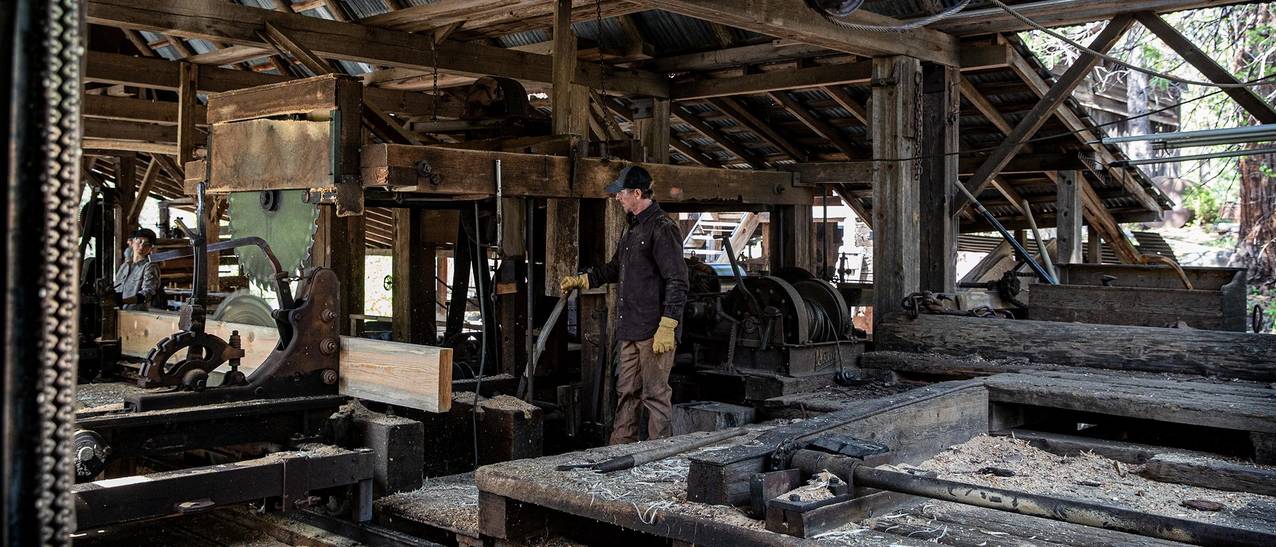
449, 502
1088, 477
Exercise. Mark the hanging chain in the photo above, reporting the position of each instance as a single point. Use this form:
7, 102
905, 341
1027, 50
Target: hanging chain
434, 74
602, 80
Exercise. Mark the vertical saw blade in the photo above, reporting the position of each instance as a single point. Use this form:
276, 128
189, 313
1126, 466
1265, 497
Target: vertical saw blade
284, 220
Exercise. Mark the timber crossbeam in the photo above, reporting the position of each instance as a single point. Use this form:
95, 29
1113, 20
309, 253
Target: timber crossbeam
456, 172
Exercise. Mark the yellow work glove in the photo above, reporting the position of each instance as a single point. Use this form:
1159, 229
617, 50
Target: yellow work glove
580, 281
664, 340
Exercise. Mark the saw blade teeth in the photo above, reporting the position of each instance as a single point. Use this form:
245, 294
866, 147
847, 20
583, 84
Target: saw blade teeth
289, 229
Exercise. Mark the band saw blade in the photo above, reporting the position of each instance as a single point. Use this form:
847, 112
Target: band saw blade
284, 220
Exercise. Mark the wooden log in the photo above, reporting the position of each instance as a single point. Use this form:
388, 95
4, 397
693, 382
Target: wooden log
1120, 347
1211, 473
407, 375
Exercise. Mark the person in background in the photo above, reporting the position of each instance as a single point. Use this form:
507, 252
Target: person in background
137, 279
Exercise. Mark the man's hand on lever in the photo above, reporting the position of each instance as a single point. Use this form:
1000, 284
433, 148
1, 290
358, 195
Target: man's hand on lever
578, 281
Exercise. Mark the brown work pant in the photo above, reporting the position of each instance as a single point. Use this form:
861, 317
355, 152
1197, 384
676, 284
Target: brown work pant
644, 377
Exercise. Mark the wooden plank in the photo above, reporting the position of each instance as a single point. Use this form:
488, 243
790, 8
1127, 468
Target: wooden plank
407, 375
797, 22
747, 119
1225, 406
276, 154
562, 242
135, 110
470, 172
1068, 217
1119, 347
897, 127
915, 424
240, 25
160, 74
314, 95
814, 123
1257, 106
1050, 101
96, 128
1211, 473
1149, 307
937, 229
777, 50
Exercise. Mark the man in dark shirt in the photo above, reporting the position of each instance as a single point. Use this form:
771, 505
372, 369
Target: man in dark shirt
652, 274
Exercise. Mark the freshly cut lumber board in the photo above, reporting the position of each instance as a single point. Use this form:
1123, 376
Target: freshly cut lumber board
407, 375
1183, 351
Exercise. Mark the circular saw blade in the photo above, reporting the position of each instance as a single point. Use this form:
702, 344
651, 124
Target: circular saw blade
244, 307
286, 223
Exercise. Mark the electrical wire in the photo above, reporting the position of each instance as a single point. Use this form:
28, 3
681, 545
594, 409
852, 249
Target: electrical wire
1037, 26
905, 27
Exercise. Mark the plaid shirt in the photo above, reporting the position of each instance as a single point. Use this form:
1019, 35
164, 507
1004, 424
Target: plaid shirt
652, 274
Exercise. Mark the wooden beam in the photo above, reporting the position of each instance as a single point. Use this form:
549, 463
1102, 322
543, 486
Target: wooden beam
143, 191
407, 375
1068, 216
897, 131
777, 50
937, 234
653, 131
1061, 13
97, 128
846, 101
820, 127
379, 122
764, 82
414, 270
1257, 107
1070, 119
1035, 118
796, 21
470, 172
747, 119
134, 110
241, 25
187, 99
718, 137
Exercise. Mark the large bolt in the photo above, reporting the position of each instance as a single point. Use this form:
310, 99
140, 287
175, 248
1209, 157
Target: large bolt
329, 376
329, 346
328, 316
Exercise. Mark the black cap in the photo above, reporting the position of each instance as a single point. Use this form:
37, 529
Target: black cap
145, 233
632, 177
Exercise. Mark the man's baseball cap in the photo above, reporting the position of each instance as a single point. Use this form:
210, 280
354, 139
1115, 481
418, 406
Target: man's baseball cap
144, 233
632, 177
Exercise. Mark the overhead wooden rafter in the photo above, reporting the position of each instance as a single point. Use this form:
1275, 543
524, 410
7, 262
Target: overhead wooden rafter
241, 25
814, 123
1043, 110
798, 22
747, 119
717, 136
1257, 107
1060, 13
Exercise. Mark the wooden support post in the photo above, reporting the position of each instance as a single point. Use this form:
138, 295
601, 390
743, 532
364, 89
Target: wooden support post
187, 117
1093, 246
791, 242
126, 192
941, 107
1043, 110
212, 234
143, 191
896, 180
340, 245
654, 132
462, 256
413, 291
1068, 215
570, 112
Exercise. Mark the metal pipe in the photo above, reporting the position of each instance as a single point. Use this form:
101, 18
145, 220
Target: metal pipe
1036, 234
1209, 156
1074, 511
1022, 252
1246, 132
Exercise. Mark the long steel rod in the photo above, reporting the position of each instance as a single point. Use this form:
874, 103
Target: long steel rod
1074, 511
1023, 253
